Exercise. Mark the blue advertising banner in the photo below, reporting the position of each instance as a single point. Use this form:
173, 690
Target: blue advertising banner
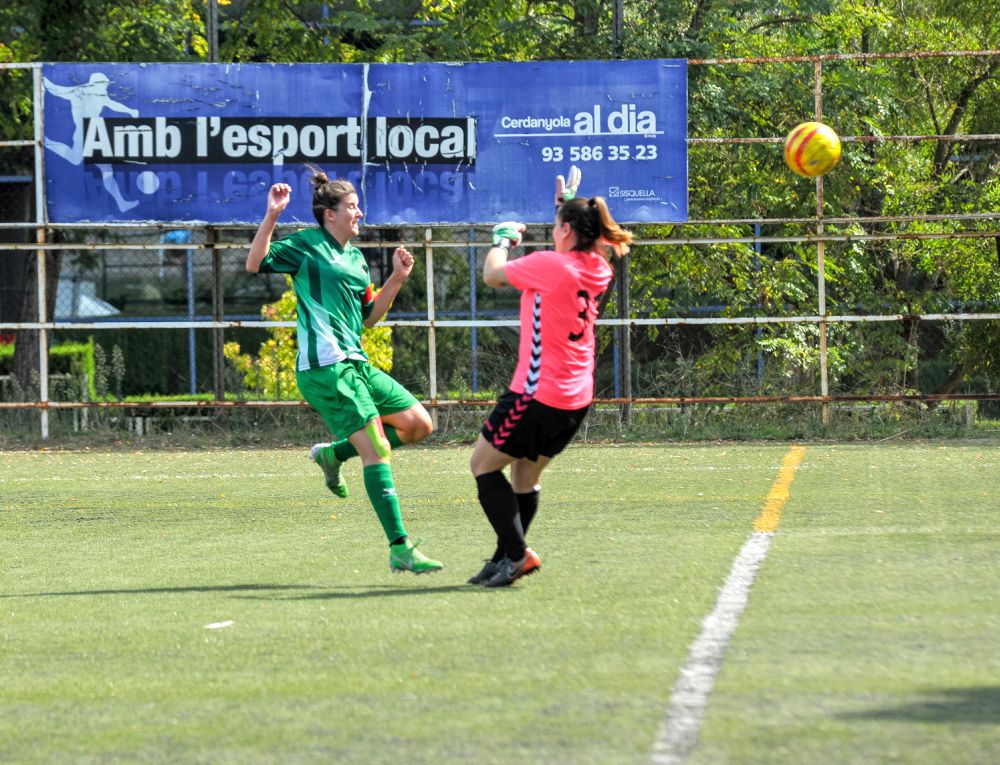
423, 143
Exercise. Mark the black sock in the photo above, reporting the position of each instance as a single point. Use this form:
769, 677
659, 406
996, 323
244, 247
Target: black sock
501, 507
527, 506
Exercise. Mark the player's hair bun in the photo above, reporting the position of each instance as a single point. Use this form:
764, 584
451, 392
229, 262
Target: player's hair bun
319, 178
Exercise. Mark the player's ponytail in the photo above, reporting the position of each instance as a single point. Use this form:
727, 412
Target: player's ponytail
326, 193
593, 225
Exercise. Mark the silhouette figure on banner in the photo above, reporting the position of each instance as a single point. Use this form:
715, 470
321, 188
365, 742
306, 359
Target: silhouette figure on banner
86, 102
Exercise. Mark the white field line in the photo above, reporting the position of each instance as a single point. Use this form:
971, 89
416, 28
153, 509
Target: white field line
679, 733
689, 697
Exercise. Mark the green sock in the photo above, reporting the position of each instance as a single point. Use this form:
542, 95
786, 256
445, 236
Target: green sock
343, 450
382, 493
392, 436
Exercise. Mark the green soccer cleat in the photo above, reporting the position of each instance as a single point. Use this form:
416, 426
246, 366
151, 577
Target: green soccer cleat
323, 456
487, 572
406, 557
512, 570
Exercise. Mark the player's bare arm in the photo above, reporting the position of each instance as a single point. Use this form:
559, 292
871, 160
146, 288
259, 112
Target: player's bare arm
277, 200
402, 265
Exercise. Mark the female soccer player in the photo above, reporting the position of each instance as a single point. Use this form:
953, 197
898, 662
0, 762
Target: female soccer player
365, 408
553, 384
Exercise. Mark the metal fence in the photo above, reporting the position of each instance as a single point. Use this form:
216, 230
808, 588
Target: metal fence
160, 302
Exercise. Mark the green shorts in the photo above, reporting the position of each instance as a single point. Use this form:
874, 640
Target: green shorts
351, 393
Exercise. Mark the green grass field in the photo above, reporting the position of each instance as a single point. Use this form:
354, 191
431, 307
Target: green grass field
872, 633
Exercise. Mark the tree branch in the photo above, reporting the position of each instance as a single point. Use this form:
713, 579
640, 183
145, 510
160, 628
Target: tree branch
944, 148
930, 101
780, 20
701, 10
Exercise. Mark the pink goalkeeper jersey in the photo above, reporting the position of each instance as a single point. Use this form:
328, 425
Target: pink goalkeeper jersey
559, 291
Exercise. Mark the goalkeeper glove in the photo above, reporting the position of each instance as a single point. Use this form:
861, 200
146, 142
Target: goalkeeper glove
507, 234
566, 188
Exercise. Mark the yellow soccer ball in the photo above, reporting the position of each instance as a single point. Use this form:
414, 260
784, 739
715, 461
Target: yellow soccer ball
812, 149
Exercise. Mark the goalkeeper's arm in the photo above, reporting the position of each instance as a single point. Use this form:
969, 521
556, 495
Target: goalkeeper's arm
505, 237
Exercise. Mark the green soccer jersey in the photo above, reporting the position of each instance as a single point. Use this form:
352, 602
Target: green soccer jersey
332, 285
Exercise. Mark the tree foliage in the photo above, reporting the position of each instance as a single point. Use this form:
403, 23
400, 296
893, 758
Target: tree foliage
945, 96
942, 96
90, 30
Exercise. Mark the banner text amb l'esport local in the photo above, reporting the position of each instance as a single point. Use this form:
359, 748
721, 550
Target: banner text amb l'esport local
423, 143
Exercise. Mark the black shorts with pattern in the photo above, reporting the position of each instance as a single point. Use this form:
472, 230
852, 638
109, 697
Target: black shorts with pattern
523, 428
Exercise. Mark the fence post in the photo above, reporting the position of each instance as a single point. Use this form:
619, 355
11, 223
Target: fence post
212, 30
824, 385
758, 332
43, 335
40, 254
474, 382
218, 314
192, 315
431, 332
625, 339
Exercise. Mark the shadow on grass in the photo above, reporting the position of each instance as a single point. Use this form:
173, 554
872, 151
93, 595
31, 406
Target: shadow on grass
276, 590
371, 591
167, 590
947, 705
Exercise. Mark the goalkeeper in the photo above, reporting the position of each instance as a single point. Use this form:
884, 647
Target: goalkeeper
369, 411
553, 383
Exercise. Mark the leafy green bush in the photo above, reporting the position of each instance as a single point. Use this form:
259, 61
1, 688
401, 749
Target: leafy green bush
271, 374
76, 359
